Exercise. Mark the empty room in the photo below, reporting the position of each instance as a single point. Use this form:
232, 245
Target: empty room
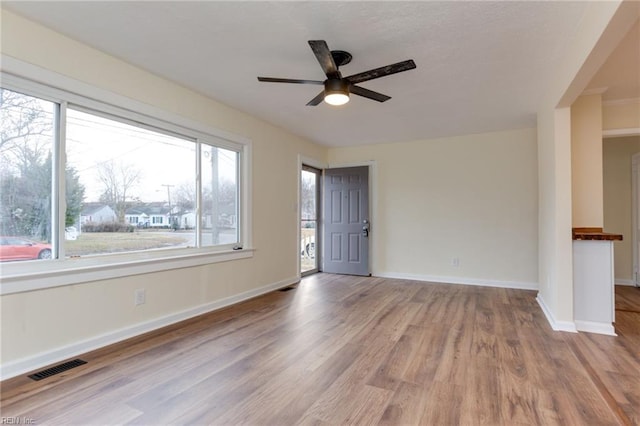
323, 212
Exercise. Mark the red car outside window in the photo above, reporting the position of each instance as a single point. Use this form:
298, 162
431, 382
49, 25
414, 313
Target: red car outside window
16, 248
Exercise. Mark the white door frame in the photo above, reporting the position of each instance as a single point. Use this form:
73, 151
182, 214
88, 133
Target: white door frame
302, 160
635, 187
635, 212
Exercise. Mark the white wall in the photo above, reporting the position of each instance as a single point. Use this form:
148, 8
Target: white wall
622, 114
554, 216
602, 27
586, 162
471, 197
38, 326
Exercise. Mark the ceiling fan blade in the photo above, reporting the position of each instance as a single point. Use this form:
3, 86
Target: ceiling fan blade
361, 91
315, 101
323, 54
289, 80
382, 71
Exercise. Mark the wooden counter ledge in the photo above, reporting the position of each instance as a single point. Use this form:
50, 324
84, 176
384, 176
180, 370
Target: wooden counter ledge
596, 234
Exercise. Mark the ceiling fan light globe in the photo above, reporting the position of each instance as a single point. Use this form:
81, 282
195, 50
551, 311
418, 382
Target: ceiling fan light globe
336, 98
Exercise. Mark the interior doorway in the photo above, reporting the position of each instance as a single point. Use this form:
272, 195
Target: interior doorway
310, 179
621, 187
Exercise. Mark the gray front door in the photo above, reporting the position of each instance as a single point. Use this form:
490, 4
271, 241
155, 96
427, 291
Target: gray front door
346, 221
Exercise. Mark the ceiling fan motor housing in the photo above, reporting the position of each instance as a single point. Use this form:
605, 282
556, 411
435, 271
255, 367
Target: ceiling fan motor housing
336, 85
336, 91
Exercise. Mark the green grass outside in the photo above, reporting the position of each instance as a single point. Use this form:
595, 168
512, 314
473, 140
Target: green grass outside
113, 242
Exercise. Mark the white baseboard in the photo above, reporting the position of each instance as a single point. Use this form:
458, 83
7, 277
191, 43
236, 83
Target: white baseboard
460, 280
24, 365
596, 327
556, 325
620, 281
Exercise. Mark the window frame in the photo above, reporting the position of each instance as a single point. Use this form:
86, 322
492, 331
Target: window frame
24, 276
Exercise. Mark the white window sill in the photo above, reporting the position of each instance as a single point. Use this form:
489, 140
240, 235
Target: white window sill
18, 277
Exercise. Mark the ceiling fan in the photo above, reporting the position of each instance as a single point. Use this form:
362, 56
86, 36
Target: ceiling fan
336, 87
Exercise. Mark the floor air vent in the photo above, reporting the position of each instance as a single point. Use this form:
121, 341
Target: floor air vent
57, 369
287, 288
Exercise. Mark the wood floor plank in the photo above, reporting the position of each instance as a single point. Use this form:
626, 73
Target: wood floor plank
423, 366
337, 399
406, 406
627, 298
366, 408
391, 370
482, 395
354, 350
310, 386
457, 355
443, 404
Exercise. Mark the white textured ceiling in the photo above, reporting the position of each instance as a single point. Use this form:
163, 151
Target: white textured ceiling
481, 66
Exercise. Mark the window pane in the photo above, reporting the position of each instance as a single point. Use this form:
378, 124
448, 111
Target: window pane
308, 190
308, 220
138, 188
219, 196
27, 127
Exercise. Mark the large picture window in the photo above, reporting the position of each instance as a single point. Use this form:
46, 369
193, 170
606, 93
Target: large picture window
129, 186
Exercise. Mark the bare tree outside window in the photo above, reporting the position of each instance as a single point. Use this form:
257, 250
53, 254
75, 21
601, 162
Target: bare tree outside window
118, 180
26, 144
25, 122
185, 196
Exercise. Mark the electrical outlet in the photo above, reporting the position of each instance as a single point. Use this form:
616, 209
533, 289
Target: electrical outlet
140, 296
455, 261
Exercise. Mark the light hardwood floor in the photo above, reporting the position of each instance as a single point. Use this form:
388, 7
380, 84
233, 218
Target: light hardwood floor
353, 350
627, 299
